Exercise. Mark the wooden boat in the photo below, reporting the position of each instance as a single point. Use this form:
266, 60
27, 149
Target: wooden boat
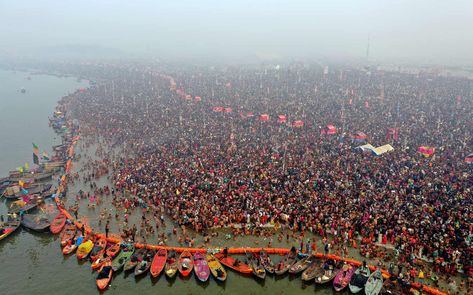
330, 270
266, 261
216, 268
68, 249
35, 222
113, 251
392, 287
36, 189
98, 249
359, 278
84, 249
343, 277
301, 265
67, 234
9, 227
58, 223
201, 267
20, 205
134, 259
34, 176
185, 263
171, 265
105, 276
283, 266
99, 261
158, 263
256, 266
233, 263
315, 269
125, 254
143, 266
374, 284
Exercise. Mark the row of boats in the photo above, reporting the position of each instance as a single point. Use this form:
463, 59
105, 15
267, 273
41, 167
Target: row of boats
108, 259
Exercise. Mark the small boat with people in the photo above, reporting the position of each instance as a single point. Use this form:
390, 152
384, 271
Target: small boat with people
266, 261
68, 233
126, 251
113, 250
185, 264
358, 281
314, 270
84, 249
285, 264
256, 266
233, 263
8, 227
375, 283
330, 270
171, 265
21, 205
72, 245
158, 263
144, 265
44, 190
137, 257
343, 277
201, 267
301, 265
99, 249
216, 268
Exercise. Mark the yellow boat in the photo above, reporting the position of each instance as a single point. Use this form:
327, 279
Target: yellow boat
216, 268
84, 249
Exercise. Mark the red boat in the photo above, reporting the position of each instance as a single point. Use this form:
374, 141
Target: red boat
159, 261
233, 263
58, 223
186, 263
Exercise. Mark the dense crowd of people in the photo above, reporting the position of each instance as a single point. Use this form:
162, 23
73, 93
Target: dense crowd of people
193, 141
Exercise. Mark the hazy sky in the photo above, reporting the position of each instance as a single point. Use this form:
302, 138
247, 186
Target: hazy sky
404, 30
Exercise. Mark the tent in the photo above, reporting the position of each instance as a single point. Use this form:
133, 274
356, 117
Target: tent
298, 123
217, 109
282, 119
329, 129
427, 151
264, 117
365, 147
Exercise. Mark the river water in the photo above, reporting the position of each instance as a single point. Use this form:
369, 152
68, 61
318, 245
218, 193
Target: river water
33, 263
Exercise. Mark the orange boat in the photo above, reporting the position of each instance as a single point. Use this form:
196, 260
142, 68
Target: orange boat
98, 249
159, 261
58, 223
99, 262
113, 251
105, 275
233, 263
67, 234
186, 263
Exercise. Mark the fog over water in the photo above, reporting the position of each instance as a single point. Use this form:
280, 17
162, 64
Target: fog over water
421, 31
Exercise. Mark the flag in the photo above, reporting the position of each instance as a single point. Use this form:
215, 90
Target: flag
427, 151
21, 183
21, 169
35, 160
27, 166
35, 149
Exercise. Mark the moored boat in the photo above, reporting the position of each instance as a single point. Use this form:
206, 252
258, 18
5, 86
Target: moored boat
343, 277
301, 265
84, 249
256, 266
158, 263
185, 263
201, 267
68, 249
20, 205
126, 252
105, 276
330, 270
113, 250
58, 223
216, 268
374, 284
8, 227
137, 257
359, 278
283, 266
99, 249
68, 233
266, 261
37, 223
314, 270
171, 265
233, 263
143, 266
